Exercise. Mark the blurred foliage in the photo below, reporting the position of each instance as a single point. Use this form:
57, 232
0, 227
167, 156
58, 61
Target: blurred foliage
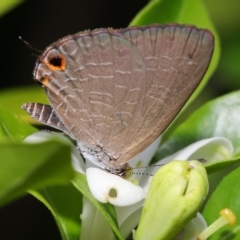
22, 95
7, 5
226, 18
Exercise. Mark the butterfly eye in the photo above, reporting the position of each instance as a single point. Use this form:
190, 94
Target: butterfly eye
56, 62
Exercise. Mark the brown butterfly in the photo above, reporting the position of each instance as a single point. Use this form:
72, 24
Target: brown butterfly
115, 91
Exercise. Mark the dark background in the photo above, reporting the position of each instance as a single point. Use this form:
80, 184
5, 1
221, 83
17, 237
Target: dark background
42, 22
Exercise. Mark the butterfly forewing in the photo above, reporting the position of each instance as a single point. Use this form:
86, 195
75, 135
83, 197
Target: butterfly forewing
116, 91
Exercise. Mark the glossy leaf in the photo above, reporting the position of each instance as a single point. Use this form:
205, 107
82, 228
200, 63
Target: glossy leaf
219, 117
7, 5
19, 96
12, 127
225, 196
31, 166
65, 203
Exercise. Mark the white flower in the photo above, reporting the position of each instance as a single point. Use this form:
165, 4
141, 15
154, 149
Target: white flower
103, 184
212, 149
128, 199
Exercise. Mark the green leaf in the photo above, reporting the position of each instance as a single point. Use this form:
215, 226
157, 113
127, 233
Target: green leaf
223, 164
225, 196
12, 127
19, 96
31, 166
65, 203
7, 5
185, 12
107, 210
217, 118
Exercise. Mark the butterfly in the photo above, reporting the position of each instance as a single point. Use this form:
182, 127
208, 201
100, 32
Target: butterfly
115, 91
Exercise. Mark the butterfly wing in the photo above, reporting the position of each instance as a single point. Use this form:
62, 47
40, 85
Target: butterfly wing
117, 90
93, 81
176, 58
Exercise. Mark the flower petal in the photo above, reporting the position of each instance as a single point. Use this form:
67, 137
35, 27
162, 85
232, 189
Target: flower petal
107, 187
215, 148
93, 223
195, 227
145, 157
77, 161
128, 218
38, 137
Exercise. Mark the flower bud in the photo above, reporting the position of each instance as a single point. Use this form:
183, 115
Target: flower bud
174, 197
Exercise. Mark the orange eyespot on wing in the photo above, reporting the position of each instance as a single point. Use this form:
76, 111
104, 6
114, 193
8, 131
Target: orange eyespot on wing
44, 80
56, 63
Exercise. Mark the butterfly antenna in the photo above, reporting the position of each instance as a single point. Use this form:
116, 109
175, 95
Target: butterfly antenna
29, 45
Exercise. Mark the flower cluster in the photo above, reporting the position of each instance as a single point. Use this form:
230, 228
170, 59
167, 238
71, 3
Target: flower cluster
128, 195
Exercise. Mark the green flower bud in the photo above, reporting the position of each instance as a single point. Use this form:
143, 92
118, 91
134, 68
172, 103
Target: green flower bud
175, 195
